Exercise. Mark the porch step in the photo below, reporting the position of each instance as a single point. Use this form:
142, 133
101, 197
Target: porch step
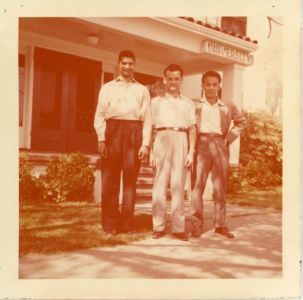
145, 183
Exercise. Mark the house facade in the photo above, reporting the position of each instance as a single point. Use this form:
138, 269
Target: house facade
64, 61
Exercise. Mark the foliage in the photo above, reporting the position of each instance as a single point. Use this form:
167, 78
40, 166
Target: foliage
30, 189
260, 154
68, 177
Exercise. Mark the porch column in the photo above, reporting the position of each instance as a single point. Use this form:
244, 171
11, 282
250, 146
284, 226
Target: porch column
28, 96
232, 90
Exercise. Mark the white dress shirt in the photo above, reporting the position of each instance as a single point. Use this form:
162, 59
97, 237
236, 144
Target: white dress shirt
123, 100
211, 118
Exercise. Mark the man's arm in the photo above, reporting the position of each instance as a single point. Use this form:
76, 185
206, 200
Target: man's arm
239, 124
146, 125
192, 137
99, 121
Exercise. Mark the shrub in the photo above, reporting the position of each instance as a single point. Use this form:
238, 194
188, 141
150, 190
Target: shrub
260, 154
68, 177
30, 189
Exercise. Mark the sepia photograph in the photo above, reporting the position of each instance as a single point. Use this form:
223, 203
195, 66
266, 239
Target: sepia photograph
154, 148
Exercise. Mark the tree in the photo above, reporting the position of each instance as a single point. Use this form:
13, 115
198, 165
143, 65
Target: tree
274, 92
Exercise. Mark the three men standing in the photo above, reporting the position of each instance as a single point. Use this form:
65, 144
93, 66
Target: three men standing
123, 126
123, 121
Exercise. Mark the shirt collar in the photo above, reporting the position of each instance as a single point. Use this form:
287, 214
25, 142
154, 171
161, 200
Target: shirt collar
219, 102
120, 78
167, 95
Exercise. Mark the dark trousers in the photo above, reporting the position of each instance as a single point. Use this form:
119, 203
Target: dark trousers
212, 155
123, 140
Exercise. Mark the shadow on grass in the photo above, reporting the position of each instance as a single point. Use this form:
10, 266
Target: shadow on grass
266, 199
53, 228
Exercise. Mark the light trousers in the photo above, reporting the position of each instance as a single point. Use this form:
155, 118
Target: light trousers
169, 152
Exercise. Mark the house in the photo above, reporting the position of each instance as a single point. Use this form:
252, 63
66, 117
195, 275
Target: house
64, 61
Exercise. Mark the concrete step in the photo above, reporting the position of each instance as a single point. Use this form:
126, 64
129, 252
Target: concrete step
144, 192
146, 170
145, 181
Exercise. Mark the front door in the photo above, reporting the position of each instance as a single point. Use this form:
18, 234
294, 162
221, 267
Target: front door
65, 97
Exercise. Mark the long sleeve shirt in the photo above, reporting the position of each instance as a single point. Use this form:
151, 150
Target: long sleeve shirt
123, 100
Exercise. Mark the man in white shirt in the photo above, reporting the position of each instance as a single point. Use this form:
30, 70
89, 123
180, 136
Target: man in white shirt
173, 119
214, 118
123, 126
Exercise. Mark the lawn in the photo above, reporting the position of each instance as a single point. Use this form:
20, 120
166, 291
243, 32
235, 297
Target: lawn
66, 226
52, 228
269, 198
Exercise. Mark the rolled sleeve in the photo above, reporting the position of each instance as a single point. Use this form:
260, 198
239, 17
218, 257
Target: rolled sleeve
99, 120
147, 119
192, 115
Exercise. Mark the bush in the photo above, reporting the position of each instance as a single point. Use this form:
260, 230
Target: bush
30, 189
260, 154
68, 178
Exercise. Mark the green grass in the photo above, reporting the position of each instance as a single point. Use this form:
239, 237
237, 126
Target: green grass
271, 198
52, 228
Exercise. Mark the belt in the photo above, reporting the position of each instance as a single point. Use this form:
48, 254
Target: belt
182, 129
124, 121
211, 135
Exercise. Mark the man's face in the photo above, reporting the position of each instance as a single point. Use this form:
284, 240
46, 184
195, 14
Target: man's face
173, 80
126, 66
211, 87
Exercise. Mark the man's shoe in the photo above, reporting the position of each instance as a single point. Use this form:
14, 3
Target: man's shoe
110, 233
158, 234
181, 236
196, 232
225, 232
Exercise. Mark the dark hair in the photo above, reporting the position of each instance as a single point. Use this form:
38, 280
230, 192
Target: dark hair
211, 74
126, 53
172, 68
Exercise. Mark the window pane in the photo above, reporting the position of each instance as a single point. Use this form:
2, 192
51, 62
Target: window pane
153, 83
107, 77
234, 24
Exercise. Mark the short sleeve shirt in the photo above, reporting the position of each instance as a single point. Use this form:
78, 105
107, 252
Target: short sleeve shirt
168, 111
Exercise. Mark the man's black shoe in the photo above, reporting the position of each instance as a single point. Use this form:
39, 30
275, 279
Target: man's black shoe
196, 232
181, 236
225, 232
158, 234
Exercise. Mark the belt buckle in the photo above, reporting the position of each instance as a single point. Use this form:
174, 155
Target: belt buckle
176, 128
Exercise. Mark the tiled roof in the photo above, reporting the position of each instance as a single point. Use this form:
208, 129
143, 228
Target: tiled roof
200, 23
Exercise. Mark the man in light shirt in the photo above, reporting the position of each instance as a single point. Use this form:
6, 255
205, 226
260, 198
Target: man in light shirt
123, 126
214, 118
173, 119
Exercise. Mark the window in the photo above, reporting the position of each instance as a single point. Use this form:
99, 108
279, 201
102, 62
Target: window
107, 77
21, 87
234, 24
153, 83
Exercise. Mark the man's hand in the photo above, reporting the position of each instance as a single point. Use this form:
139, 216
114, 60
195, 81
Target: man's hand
102, 149
189, 159
143, 152
152, 161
